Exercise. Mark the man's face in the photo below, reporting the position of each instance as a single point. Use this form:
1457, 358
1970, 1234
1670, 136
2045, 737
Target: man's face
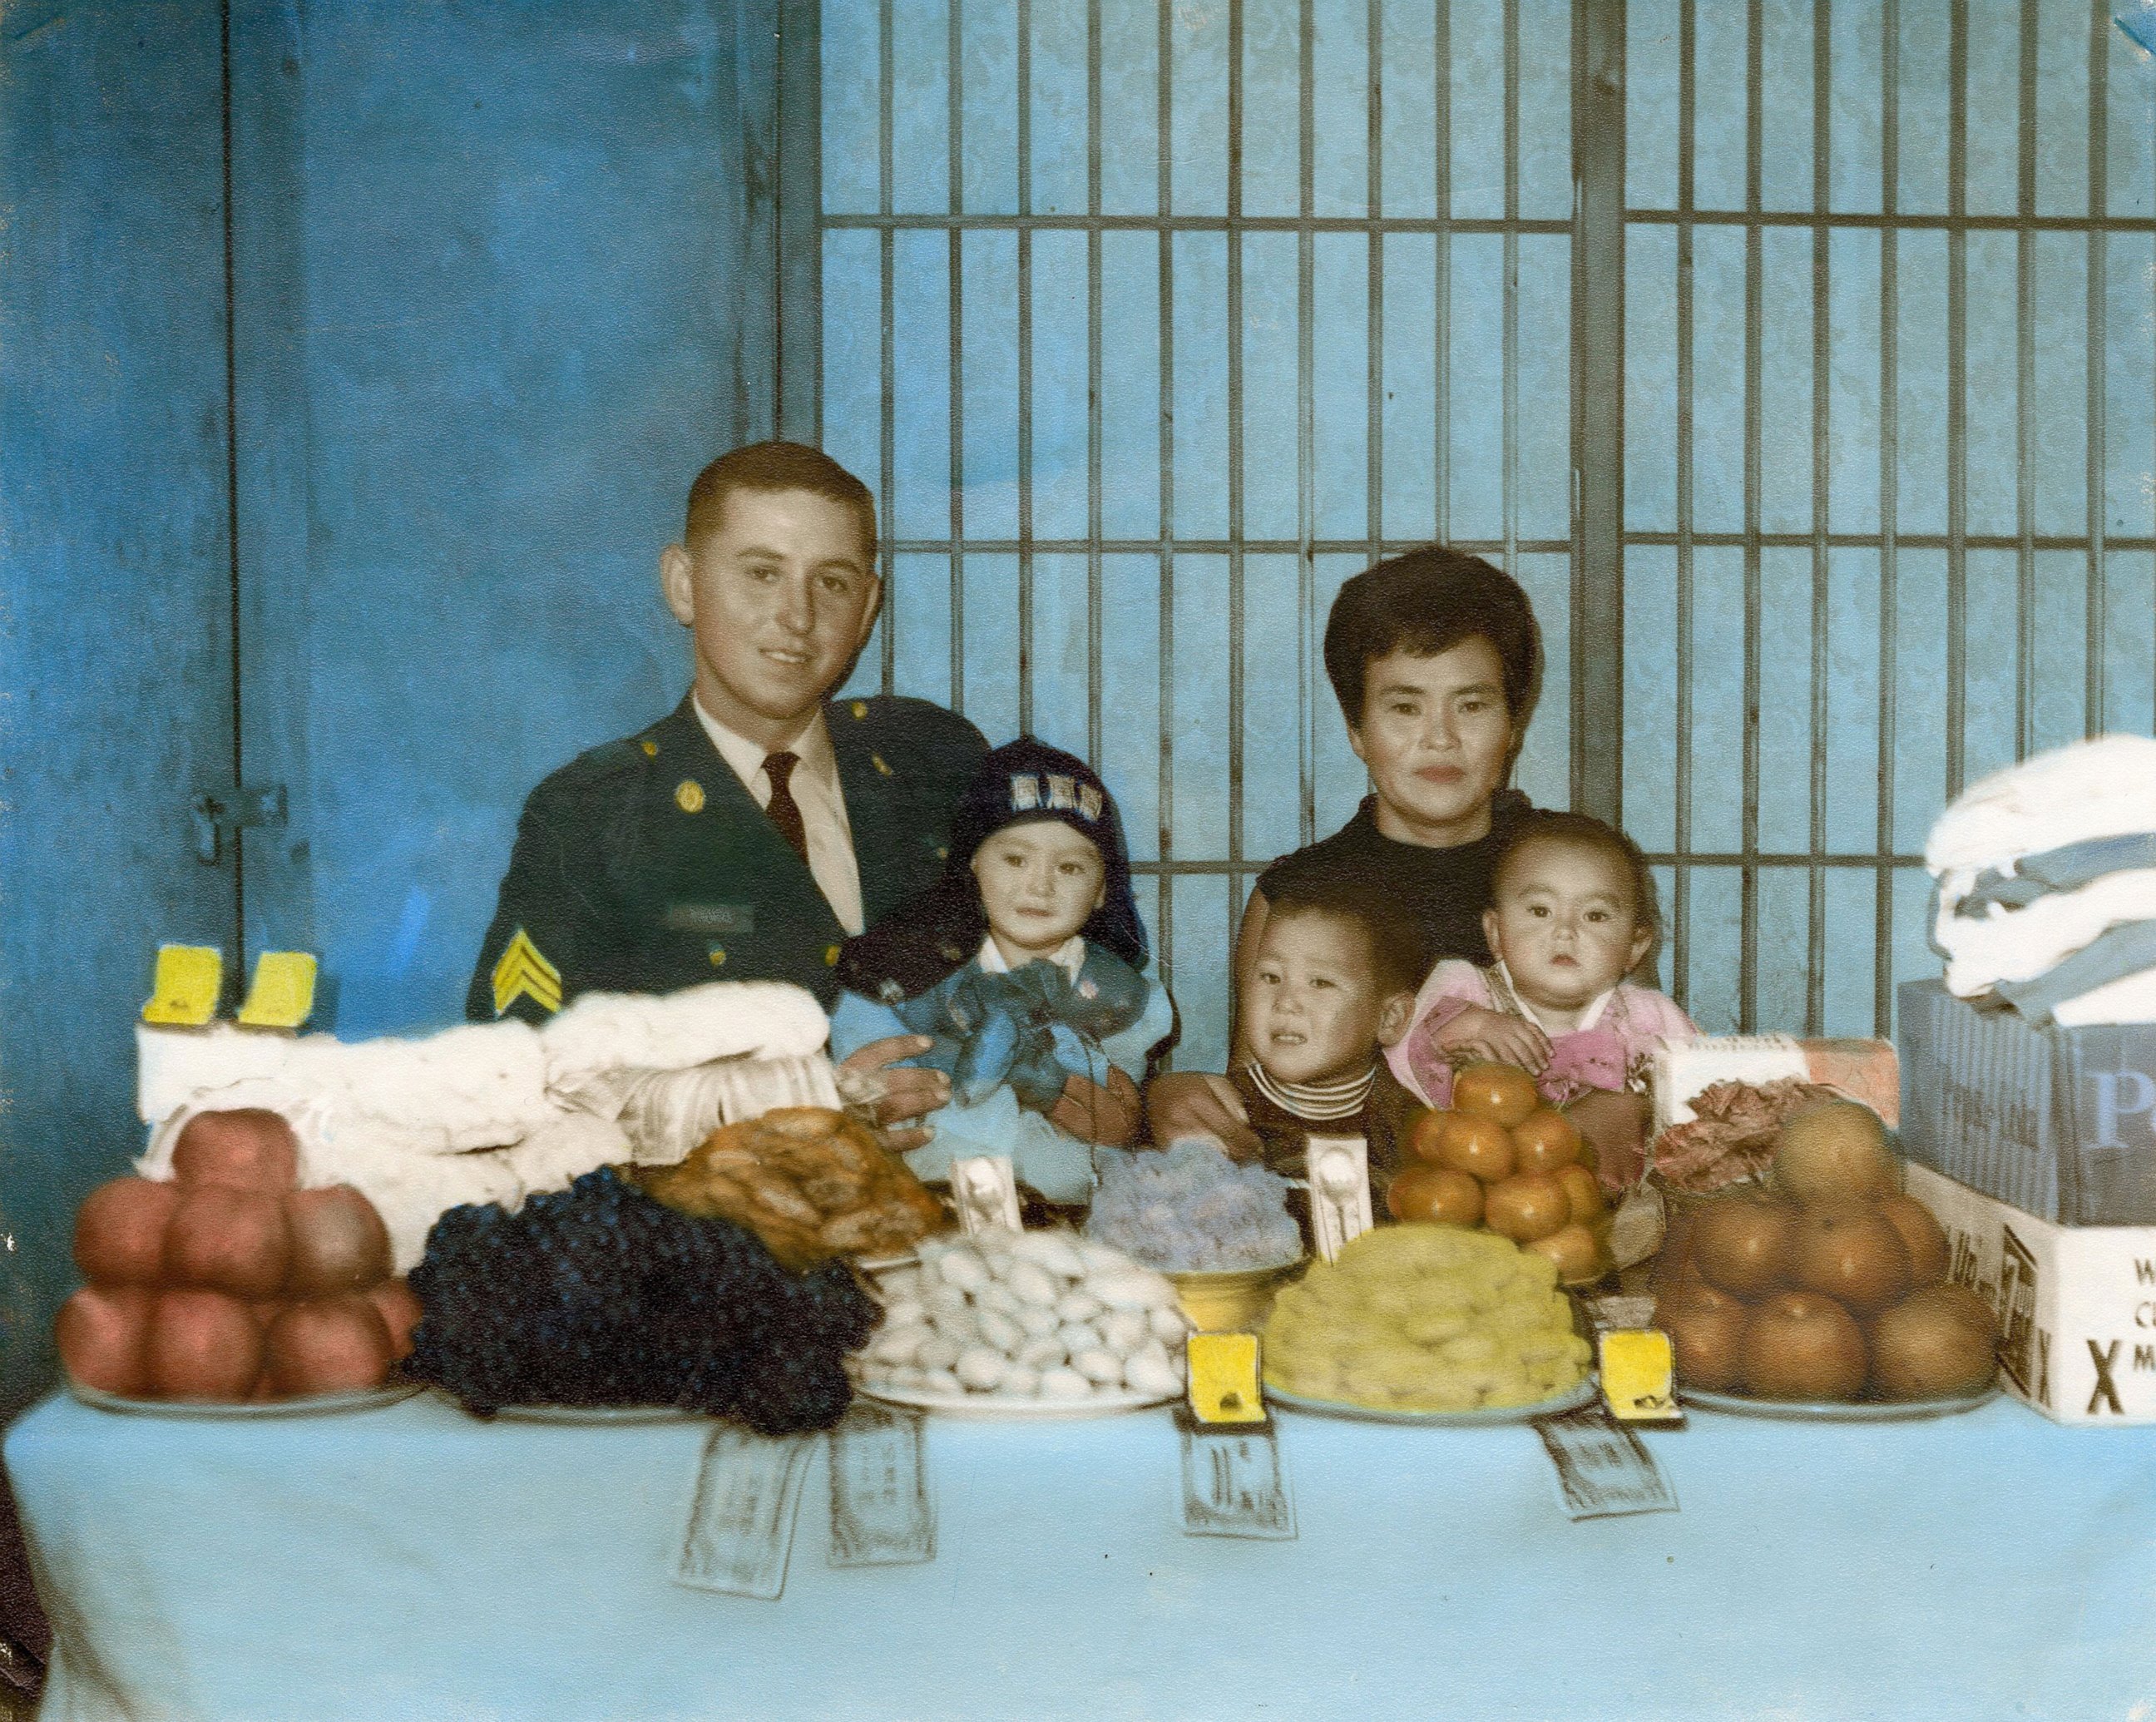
779, 597
1437, 738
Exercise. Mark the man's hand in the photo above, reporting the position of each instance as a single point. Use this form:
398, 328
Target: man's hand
1479, 1033
1092, 1112
1194, 1104
908, 1093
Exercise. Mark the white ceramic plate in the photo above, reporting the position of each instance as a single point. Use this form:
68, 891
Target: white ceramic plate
1571, 1400
603, 1416
996, 1408
320, 1405
1845, 1411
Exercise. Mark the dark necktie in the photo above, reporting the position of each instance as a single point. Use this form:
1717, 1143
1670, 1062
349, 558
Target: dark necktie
784, 810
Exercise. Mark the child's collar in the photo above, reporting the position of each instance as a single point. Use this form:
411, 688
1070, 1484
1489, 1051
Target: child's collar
1316, 1103
1070, 956
1508, 995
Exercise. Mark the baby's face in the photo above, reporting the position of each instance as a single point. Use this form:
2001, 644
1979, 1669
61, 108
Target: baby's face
1314, 1011
1565, 925
1040, 882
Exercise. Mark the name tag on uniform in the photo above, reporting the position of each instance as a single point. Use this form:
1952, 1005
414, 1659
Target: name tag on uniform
735, 918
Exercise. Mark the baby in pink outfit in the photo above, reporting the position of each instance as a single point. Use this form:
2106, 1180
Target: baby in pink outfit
1572, 911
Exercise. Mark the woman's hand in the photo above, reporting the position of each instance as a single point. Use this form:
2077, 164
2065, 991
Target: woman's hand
907, 1092
1106, 1114
1477, 1033
1194, 1103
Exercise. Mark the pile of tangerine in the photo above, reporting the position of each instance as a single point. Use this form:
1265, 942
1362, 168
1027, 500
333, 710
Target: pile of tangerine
1501, 1158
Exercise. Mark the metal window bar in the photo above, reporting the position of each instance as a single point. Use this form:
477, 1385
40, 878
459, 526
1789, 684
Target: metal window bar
1747, 939
887, 357
1164, 206
1681, 892
1093, 633
1236, 548
1957, 396
2094, 703
954, 171
1890, 505
1822, 302
1305, 440
1025, 546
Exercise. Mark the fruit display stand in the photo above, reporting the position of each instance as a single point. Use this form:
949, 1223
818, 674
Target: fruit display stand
412, 1561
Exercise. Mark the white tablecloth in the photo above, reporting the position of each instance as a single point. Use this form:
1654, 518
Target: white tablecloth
409, 1561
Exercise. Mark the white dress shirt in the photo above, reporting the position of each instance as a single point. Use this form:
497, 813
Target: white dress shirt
815, 787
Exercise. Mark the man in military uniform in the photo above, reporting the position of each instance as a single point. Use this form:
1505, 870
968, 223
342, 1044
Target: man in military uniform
748, 834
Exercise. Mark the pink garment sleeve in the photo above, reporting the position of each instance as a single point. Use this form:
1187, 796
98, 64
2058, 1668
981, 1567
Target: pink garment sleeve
1416, 1058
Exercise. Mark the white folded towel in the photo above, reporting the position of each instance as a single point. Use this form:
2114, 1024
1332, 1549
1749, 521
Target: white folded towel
2101, 788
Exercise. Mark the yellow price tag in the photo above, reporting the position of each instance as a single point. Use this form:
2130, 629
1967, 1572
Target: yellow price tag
282, 993
1224, 1378
189, 979
1638, 1367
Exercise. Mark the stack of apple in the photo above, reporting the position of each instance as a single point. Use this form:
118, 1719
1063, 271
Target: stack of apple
1830, 1285
227, 1283
1501, 1158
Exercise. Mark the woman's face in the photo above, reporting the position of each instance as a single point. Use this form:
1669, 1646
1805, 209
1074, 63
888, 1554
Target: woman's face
1437, 737
1040, 881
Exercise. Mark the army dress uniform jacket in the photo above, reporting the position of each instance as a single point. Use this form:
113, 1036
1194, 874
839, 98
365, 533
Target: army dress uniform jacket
645, 865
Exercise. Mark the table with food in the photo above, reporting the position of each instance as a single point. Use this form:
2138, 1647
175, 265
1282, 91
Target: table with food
619, 1366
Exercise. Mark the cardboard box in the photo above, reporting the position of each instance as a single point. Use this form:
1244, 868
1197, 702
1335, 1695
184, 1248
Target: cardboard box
2076, 1303
1679, 1071
2058, 1123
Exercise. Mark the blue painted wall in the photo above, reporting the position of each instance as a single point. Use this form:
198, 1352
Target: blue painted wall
492, 270
517, 250
115, 694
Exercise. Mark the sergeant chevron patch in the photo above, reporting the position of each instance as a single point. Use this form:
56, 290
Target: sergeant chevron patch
522, 972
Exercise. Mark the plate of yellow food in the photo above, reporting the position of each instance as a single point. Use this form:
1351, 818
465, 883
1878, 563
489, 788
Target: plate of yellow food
1428, 1323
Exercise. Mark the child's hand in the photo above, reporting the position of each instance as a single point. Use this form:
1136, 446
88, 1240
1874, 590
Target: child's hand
1104, 1113
1477, 1032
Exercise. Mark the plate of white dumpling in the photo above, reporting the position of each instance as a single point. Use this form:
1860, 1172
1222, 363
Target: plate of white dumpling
1025, 1325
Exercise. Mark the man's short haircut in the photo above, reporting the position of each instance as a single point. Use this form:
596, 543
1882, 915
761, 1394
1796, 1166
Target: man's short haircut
1548, 827
1398, 944
1425, 603
777, 466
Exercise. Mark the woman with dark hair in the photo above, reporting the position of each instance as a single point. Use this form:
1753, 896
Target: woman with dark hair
1437, 661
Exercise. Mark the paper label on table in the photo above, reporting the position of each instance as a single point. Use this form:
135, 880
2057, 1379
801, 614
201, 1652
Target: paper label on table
1637, 1370
741, 1529
1603, 1468
881, 1514
1234, 1484
282, 995
189, 979
986, 1190
1224, 1378
1339, 1170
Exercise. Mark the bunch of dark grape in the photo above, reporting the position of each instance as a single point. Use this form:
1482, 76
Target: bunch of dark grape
597, 1295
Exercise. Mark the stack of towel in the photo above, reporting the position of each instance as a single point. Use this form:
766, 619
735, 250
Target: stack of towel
2046, 878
